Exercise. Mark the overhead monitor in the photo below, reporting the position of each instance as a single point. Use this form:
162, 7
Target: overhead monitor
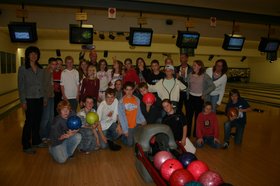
80, 35
140, 36
187, 39
23, 32
233, 42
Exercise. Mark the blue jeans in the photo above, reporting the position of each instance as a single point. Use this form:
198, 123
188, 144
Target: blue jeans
110, 134
129, 140
88, 142
210, 141
238, 134
74, 104
47, 118
214, 100
62, 152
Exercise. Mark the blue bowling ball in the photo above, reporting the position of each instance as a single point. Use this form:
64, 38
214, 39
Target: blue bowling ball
186, 158
74, 122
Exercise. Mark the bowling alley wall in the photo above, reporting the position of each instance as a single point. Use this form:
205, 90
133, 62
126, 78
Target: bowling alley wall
53, 24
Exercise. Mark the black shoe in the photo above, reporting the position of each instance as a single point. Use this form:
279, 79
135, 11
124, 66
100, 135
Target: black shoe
225, 145
113, 146
29, 151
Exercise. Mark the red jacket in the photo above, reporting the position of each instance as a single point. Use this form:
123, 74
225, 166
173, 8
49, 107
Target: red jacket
132, 76
207, 125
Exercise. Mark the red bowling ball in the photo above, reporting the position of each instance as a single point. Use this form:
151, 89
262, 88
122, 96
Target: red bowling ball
168, 167
149, 98
211, 178
197, 168
180, 177
161, 157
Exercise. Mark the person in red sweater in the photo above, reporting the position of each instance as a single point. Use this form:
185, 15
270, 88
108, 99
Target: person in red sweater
130, 74
207, 129
90, 86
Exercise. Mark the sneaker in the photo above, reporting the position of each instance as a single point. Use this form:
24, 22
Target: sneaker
41, 145
29, 151
84, 152
225, 145
113, 146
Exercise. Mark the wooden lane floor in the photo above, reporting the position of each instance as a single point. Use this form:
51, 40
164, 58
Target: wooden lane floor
255, 162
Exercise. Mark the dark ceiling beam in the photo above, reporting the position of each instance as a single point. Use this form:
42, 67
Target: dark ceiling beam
159, 8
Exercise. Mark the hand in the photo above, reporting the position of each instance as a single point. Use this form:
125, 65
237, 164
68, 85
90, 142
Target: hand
216, 141
77, 97
104, 138
64, 98
183, 141
95, 125
126, 134
119, 130
231, 118
200, 141
81, 104
110, 114
24, 106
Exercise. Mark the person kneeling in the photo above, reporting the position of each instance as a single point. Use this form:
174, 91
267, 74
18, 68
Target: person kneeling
63, 140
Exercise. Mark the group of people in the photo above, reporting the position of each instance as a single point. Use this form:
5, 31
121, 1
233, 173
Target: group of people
51, 95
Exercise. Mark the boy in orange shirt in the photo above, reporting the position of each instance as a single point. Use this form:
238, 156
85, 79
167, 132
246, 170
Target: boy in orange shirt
130, 114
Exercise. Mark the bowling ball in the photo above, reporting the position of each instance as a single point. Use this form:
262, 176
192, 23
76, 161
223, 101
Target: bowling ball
180, 177
91, 118
232, 112
197, 168
74, 123
193, 183
168, 167
210, 178
186, 158
161, 157
149, 98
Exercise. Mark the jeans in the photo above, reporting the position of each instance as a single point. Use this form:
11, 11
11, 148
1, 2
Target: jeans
62, 152
88, 142
31, 126
47, 118
129, 140
74, 104
214, 100
238, 134
110, 134
210, 141
182, 101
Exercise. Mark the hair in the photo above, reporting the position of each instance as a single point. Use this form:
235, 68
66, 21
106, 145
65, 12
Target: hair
92, 66
137, 61
155, 61
207, 103
166, 101
234, 91
128, 84
110, 91
201, 64
88, 97
120, 68
69, 58
224, 63
128, 59
62, 104
103, 61
51, 59
29, 50
184, 53
168, 58
143, 85
59, 59
117, 81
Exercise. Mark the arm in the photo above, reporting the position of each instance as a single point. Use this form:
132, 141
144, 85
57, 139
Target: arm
183, 141
62, 87
122, 118
140, 118
208, 85
21, 87
223, 87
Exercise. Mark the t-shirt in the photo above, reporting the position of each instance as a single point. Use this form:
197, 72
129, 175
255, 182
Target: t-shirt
207, 125
154, 78
70, 81
90, 87
169, 84
176, 122
196, 85
240, 104
104, 78
103, 110
56, 80
131, 108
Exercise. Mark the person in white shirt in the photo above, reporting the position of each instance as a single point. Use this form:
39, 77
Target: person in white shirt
108, 118
104, 76
219, 77
70, 83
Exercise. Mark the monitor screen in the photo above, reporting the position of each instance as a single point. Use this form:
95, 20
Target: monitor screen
23, 32
268, 45
80, 35
187, 39
140, 36
233, 42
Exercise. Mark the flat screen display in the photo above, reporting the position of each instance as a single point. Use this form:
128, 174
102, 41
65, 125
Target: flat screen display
233, 42
80, 35
140, 36
23, 32
268, 45
186, 39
